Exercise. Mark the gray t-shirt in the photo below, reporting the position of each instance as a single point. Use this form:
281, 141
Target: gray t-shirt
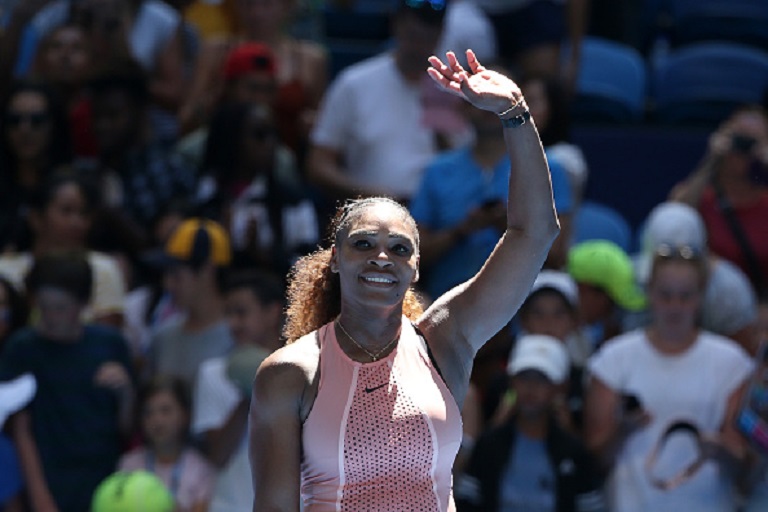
176, 352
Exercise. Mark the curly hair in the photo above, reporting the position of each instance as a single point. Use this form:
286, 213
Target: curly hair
314, 292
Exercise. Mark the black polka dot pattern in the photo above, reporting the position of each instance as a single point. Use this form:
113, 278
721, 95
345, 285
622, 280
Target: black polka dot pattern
388, 448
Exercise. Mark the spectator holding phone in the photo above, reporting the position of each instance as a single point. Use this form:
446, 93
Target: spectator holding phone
675, 444
730, 190
460, 205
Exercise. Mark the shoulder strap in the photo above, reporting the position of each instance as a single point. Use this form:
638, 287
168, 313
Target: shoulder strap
741, 238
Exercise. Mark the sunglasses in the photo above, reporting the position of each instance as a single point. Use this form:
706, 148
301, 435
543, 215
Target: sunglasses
437, 5
33, 119
683, 252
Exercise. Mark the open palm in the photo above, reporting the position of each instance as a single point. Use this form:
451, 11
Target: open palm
484, 88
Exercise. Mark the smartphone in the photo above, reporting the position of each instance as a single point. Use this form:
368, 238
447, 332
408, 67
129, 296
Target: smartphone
630, 403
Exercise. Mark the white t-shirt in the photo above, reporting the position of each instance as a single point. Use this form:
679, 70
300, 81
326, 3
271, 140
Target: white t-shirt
108, 290
215, 397
693, 386
374, 118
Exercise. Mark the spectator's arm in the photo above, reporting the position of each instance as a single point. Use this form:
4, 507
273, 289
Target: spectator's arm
221, 443
324, 168
435, 244
10, 38
39, 494
204, 89
734, 449
605, 427
691, 190
577, 17
167, 81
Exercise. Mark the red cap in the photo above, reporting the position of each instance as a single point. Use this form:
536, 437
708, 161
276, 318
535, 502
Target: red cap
249, 57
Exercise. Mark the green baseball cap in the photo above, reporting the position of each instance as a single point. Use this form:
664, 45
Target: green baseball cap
605, 265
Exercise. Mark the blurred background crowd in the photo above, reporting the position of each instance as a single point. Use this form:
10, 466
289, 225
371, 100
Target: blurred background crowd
164, 163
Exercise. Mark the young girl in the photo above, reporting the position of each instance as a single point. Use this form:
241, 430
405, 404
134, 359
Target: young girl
165, 408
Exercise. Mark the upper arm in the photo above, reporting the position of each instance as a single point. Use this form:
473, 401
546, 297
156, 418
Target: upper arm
479, 308
600, 420
275, 434
730, 435
316, 72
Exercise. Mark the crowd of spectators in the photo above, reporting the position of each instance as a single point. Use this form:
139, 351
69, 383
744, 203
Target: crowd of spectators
164, 163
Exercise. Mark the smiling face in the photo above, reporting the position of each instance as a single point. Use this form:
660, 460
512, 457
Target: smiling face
376, 255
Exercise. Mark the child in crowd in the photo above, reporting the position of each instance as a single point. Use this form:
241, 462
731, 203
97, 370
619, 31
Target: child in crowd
608, 293
195, 260
70, 437
165, 408
254, 306
530, 462
552, 309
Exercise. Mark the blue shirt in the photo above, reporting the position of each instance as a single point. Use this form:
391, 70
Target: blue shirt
452, 186
528, 482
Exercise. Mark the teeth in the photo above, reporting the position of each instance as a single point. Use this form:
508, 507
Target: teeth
379, 280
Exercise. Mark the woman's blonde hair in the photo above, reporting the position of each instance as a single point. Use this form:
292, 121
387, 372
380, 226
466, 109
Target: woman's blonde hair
314, 292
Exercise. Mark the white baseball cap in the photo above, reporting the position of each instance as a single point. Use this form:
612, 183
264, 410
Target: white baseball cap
540, 352
673, 224
561, 282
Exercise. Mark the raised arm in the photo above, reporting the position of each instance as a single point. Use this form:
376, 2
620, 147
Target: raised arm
470, 314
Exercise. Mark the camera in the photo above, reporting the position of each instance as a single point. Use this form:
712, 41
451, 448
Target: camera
742, 143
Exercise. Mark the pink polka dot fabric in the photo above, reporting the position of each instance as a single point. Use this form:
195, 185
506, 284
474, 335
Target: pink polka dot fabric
381, 436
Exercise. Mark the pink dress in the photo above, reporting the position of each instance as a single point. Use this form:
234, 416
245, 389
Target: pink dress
381, 436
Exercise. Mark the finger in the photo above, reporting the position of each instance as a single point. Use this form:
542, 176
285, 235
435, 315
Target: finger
474, 64
451, 86
443, 69
454, 63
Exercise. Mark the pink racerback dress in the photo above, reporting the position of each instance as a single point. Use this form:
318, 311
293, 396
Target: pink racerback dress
381, 436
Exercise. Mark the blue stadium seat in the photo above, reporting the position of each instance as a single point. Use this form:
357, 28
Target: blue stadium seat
740, 21
594, 221
701, 84
612, 83
353, 34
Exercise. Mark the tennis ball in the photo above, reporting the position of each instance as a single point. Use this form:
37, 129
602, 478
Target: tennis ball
135, 491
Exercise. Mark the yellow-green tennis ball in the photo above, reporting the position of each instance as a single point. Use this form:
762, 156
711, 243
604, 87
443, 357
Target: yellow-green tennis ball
135, 491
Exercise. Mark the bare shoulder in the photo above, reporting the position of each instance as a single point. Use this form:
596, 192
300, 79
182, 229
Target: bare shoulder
295, 363
288, 373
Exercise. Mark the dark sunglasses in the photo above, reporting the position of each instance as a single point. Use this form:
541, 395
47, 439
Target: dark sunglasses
34, 119
437, 5
683, 252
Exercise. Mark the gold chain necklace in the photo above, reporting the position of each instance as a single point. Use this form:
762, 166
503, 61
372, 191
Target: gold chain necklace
372, 355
